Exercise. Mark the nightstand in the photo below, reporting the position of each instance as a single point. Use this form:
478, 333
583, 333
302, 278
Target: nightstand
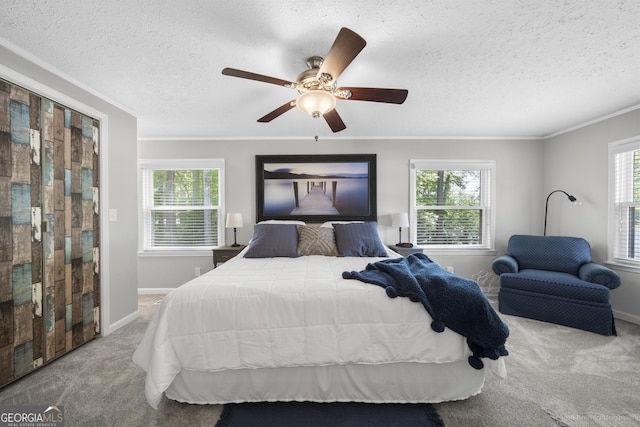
406, 251
225, 253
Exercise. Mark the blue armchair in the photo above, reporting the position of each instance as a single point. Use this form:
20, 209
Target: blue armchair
552, 278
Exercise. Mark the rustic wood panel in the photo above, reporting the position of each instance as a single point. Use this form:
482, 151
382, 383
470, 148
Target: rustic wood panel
87, 152
87, 277
89, 331
23, 359
58, 123
19, 117
61, 338
87, 214
5, 190
21, 284
20, 163
76, 307
58, 226
76, 145
67, 216
22, 326
5, 110
19, 94
50, 345
68, 288
6, 323
35, 111
36, 185
6, 364
49, 271
6, 287
67, 148
76, 210
59, 265
60, 301
6, 239
47, 125
76, 275
58, 196
77, 334
22, 243
76, 243
38, 338
5, 154
58, 159
36, 262
49, 278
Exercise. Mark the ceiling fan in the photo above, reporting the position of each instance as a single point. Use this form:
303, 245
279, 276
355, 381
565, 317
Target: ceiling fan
317, 86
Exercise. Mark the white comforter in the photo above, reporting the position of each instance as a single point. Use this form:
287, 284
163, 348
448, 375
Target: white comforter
280, 312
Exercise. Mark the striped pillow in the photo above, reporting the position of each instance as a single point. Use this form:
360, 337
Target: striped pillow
315, 240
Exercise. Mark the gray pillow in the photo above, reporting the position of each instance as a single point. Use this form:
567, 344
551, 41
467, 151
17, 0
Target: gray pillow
316, 240
273, 240
359, 240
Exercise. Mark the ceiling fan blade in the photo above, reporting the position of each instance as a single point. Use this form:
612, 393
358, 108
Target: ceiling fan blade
277, 112
392, 96
334, 121
258, 77
344, 49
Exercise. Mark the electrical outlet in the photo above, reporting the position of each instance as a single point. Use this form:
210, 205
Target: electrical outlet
450, 269
196, 271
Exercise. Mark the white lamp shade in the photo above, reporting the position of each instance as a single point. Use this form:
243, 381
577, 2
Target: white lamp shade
234, 220
400, 219
316, 102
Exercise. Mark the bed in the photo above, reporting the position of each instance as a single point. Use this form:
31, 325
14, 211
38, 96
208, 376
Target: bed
278, 322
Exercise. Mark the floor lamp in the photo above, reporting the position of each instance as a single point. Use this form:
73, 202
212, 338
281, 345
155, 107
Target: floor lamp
546, 207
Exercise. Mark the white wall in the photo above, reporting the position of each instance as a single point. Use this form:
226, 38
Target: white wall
119, 279
518, 171
577, 163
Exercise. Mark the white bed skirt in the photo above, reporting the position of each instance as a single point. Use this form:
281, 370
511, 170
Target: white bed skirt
384, 383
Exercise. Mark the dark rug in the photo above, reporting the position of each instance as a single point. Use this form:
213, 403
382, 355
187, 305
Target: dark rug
338, 414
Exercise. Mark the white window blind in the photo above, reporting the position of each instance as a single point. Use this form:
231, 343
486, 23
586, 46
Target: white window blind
624, 164
451, 203
181, 206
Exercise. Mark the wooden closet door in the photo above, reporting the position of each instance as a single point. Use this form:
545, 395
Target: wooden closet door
49, 231
21, 310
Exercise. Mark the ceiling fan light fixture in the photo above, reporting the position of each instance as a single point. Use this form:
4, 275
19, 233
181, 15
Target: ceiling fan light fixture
316, 103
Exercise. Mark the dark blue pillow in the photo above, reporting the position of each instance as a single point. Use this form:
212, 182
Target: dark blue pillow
359, 239
273, 240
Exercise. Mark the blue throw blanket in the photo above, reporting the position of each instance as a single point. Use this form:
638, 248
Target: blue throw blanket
452, 301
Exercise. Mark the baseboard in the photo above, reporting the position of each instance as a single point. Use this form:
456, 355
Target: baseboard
122, 322
626, 316
151, 291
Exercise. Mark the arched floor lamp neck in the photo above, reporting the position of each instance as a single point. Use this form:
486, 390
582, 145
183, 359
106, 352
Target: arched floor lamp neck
546, 206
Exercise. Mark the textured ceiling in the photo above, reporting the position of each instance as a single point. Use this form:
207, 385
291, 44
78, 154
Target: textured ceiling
473, 68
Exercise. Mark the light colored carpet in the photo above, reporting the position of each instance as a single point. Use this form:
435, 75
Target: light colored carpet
557, 376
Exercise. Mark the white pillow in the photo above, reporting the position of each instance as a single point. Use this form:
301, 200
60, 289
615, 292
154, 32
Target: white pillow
330, 223
282, 221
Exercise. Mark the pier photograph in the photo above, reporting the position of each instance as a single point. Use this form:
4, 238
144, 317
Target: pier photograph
320, 187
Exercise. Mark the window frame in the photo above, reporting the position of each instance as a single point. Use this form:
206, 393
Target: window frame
627, 145
180, 164
487, 196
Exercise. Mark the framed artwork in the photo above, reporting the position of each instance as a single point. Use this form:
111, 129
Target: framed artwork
316, 188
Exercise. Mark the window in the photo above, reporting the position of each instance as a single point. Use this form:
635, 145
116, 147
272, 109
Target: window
624, 214
451, 203
181, 204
